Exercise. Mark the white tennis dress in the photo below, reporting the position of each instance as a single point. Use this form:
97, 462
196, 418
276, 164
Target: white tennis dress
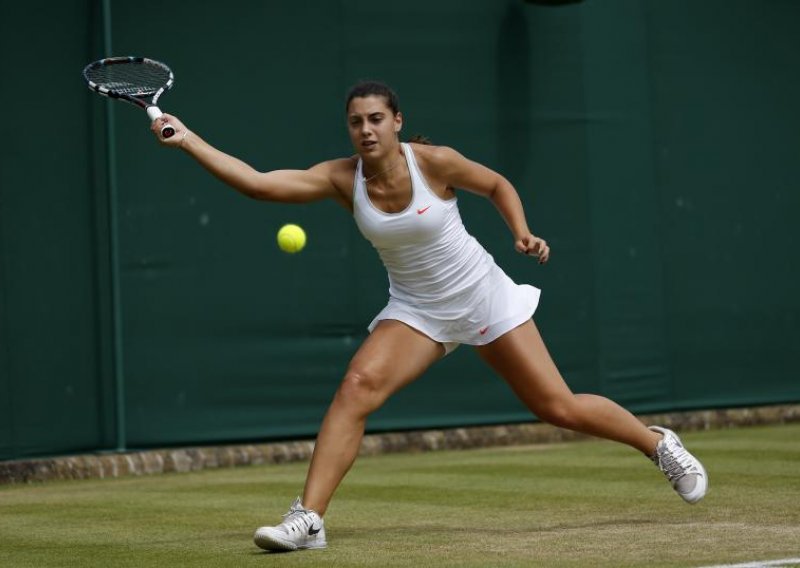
442, 282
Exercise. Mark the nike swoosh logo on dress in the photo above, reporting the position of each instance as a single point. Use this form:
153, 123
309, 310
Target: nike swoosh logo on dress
421, 211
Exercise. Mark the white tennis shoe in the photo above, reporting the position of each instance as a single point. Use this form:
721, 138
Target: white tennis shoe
684, 471
301, 528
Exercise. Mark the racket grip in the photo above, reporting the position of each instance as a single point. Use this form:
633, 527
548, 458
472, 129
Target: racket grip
167, 131
154, 112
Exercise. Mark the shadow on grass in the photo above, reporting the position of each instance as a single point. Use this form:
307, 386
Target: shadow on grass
346, 533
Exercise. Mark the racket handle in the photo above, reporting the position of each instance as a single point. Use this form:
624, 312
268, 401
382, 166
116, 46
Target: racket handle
154, 112
167, 131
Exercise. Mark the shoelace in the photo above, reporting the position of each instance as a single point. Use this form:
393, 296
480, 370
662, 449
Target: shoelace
674, 461
297, 519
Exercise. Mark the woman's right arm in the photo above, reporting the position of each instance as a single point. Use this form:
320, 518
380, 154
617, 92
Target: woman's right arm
287, 186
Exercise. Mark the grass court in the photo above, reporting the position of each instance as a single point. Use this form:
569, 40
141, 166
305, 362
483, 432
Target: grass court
591, 503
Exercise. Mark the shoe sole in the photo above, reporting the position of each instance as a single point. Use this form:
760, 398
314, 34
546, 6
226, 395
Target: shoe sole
268, 542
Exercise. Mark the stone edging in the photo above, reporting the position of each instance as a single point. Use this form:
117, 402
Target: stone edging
151, 462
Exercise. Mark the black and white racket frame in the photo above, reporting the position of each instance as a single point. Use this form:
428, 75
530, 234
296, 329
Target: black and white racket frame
145, 98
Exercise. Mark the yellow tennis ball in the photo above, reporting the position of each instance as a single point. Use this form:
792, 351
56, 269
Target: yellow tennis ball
291, 238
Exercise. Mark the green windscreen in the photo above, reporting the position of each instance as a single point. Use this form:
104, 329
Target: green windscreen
654, 145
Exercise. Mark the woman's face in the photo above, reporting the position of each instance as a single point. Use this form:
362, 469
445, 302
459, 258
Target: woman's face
372, 126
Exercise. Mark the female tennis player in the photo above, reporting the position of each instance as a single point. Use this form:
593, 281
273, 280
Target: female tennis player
445, 290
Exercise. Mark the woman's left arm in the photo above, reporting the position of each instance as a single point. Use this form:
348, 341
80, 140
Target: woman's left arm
458, 171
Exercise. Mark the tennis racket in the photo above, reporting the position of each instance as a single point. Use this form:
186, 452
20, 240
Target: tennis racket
136, 80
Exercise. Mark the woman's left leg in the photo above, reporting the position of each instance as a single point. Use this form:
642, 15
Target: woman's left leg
522, 360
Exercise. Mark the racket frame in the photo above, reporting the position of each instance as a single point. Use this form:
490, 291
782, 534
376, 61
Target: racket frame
150, 105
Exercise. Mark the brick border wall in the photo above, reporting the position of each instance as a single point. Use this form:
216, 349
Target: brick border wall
150, 462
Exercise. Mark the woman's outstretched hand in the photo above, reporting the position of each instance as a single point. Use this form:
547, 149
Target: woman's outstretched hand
181, 132
533, 246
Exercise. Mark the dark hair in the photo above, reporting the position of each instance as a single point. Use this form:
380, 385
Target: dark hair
421, 139
376, 89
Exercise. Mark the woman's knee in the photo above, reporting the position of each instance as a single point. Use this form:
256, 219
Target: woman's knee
360, 391
562, 412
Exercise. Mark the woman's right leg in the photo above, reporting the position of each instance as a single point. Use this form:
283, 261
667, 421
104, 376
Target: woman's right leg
391, 357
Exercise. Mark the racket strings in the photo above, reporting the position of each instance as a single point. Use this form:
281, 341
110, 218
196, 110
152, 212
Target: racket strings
133, 78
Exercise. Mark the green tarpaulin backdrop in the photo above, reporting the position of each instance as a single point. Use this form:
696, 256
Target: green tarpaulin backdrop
655, 145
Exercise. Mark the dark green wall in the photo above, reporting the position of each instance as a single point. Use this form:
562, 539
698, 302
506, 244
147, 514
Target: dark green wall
654, 144
53, 392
